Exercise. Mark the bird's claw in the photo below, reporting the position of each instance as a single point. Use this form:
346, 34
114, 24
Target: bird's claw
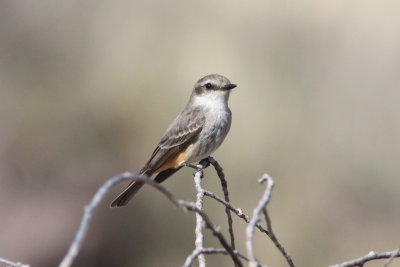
205, 162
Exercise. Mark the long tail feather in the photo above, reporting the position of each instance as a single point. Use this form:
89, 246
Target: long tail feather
126, 195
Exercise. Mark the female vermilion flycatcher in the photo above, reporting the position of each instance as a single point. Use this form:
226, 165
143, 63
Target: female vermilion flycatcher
196, 133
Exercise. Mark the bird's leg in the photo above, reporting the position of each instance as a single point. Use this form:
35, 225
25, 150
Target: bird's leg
190, 165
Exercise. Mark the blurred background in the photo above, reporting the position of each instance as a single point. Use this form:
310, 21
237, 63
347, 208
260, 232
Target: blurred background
87, 88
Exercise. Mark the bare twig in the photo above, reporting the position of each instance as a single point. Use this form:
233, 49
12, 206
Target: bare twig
228, 205
369, 257
390, 260
195, 253
13, 264
202, 220
255, 218
98, 197
103, 190
224, 184
246, 218
275, 239
199, 220
215, 230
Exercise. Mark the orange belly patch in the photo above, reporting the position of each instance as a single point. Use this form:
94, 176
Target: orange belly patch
173, 162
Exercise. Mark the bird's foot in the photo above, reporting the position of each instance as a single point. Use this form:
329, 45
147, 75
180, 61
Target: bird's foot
190, 165
204, 163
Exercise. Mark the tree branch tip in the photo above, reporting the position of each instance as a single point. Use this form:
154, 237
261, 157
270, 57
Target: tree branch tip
264, 178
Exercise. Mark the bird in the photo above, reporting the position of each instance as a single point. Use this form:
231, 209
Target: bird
195, 133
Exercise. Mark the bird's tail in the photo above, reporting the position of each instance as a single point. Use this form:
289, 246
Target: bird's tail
126, 195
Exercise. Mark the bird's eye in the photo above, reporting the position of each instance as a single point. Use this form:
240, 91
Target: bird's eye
208, 85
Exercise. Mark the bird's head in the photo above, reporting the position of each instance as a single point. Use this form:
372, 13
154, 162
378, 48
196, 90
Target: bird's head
213, 86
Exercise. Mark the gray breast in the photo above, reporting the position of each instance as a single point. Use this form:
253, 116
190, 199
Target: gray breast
213, 134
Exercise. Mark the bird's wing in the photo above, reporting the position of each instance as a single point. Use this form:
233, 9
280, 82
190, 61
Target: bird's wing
180, 134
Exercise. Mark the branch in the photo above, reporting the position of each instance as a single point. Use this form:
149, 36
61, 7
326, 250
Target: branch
199, 220
228, 205
246, 218
202, 220
275, 239
13, 264
256, 213
98, 197
389, 261
216, 231
369, 257
224, 184
103, 190
195, 253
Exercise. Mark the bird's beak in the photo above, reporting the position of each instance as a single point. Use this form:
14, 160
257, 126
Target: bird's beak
230, 86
